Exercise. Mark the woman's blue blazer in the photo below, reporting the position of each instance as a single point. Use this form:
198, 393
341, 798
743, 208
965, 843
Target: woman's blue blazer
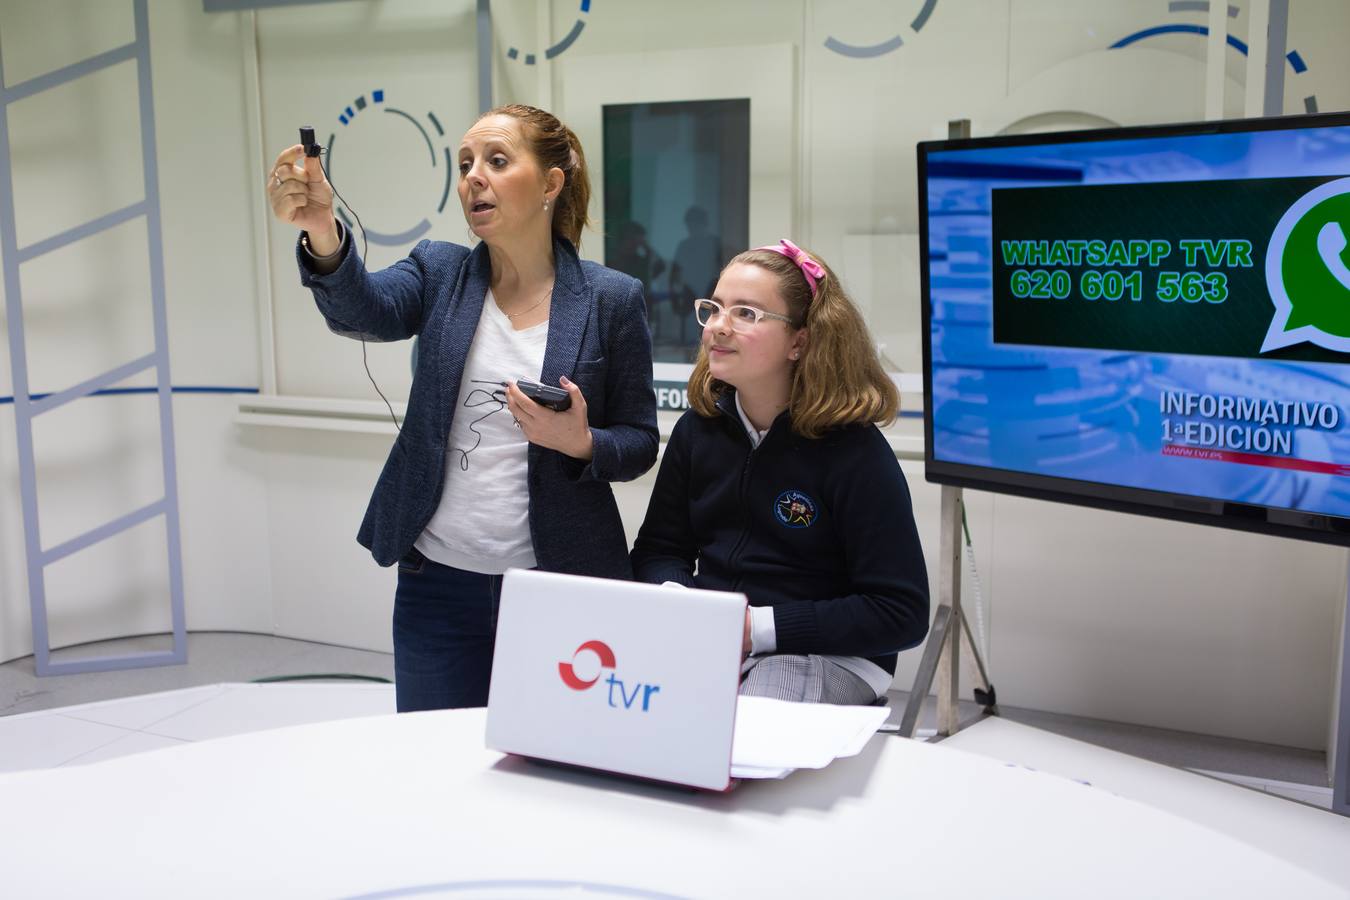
597, 337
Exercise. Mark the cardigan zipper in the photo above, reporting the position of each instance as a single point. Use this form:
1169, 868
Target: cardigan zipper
743, 493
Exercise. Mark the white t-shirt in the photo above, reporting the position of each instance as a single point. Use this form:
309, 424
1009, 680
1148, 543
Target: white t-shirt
483, 521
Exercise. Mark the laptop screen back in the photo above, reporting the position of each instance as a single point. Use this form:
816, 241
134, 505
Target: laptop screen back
615, 675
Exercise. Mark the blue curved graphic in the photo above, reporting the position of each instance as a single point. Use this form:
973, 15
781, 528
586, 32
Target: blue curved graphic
418, 125
868, 51
859, 52
1146, 33
445, 193
1295, 60
399, 239
346, 116
568, 40
922, 18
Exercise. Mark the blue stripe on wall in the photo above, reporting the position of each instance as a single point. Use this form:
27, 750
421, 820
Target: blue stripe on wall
184, 389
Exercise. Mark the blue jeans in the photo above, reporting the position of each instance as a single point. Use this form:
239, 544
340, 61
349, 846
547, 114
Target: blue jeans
445, 621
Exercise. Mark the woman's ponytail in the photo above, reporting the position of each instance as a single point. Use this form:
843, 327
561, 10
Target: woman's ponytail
556, 146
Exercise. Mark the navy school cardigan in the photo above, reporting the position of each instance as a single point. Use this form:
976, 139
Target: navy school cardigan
820, 529
597, 337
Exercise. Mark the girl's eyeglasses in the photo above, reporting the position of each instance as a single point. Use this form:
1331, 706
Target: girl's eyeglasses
742, 318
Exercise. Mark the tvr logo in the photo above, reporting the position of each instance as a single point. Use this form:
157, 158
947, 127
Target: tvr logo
605, 656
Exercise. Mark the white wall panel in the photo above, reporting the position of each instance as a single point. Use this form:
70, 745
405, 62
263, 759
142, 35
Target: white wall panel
1090, 613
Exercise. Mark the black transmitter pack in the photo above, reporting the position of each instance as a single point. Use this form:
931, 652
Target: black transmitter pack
554, 398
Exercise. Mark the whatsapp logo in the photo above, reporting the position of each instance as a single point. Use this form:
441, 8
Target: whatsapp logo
1306, 271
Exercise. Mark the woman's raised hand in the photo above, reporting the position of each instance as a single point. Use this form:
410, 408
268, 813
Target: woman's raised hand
301, 196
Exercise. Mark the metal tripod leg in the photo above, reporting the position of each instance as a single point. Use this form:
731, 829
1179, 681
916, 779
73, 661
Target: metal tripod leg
923, 679
942, 656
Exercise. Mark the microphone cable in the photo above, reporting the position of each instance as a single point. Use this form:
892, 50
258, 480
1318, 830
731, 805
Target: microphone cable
365, 248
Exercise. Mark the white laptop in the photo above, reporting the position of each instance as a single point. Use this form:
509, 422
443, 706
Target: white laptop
614, 675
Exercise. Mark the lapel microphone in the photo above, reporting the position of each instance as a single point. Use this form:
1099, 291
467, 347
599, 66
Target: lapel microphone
307, 141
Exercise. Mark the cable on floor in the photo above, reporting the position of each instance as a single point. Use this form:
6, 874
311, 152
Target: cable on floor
317, 676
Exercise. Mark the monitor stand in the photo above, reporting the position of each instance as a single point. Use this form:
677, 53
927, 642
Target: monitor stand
951, 648
950, 642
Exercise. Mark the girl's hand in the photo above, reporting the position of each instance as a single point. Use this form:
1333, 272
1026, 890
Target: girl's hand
566, 431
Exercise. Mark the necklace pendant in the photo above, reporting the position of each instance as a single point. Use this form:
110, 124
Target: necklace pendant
536, 305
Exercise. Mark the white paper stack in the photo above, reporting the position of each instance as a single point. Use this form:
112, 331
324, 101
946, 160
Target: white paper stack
773, 737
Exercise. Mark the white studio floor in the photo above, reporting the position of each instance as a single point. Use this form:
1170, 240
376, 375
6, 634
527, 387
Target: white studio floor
82, 719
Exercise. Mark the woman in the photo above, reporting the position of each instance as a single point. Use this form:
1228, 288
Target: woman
481, 478
777, 483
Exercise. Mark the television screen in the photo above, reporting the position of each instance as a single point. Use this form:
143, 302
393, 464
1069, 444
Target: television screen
1155, 320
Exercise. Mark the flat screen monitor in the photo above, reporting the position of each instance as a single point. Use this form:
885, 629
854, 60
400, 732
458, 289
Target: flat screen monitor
1154, 320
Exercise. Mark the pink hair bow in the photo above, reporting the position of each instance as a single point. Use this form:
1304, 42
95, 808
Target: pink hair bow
812, 271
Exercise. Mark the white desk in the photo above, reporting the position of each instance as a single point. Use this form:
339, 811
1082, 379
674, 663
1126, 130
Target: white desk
389, 804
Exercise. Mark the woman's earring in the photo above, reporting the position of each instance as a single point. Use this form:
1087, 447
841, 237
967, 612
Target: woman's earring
546, 204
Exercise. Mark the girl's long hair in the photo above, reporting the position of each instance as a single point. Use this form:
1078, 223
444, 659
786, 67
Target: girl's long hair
839, 380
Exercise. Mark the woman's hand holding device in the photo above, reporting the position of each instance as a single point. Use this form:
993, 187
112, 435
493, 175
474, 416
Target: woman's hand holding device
565, 430
555, 399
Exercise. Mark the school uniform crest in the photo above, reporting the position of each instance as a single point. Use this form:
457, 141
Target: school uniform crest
794, 509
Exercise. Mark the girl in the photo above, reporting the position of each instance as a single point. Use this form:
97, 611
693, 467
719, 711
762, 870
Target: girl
778, 484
